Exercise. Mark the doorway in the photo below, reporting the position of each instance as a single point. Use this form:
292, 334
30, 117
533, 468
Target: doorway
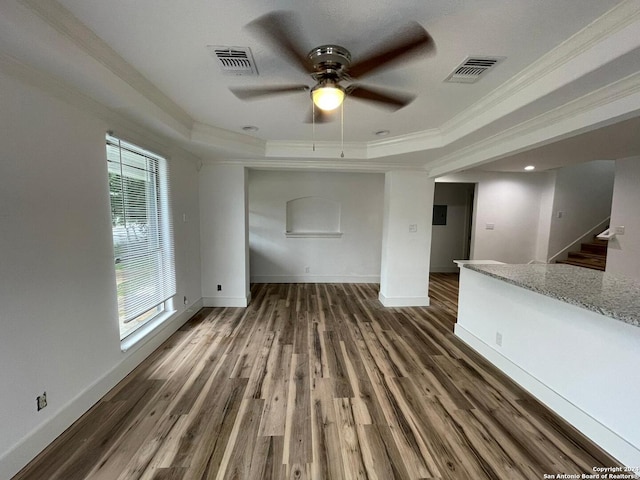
452, 231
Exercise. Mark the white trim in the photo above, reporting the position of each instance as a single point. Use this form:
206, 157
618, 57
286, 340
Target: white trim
227, 140
610, 441
404, 301
313, 234
35, 441
321, 149
146, 331
226, 301
84, 38
607, 38
315, 279
541, 76
411, 142
318, 164
124, 127
605, 106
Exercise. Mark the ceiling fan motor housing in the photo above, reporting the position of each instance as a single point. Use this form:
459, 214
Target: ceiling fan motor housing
329, 61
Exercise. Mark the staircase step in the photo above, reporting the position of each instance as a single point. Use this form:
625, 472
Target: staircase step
591, 255
584, 263
587, 255
599, 247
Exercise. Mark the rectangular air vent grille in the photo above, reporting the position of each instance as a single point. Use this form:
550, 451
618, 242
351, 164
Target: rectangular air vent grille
472, 69
234, 60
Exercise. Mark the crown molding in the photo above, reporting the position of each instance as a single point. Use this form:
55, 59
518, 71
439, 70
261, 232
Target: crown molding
317, 150
606, 38
227, 140
622, 21
315, 164
412, 142
611, 103
62, 20
68, 94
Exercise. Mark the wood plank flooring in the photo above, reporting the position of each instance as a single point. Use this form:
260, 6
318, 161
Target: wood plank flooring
318, 381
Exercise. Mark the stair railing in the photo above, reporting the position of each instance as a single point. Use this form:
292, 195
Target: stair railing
608, 234
577, 242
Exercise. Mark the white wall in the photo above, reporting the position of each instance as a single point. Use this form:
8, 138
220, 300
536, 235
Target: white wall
623, 254
544, 217
448, 241
406, 239
579, 363
511, 202
224, 236
58, 321
354, 257
583, 194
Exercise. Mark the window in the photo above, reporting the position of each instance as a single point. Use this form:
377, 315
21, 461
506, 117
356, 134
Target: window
142, 233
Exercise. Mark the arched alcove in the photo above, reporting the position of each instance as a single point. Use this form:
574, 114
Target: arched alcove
313, 217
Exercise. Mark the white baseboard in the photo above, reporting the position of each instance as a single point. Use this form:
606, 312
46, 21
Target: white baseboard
315, 279
403, 301
608, 440
36, 441
226, 301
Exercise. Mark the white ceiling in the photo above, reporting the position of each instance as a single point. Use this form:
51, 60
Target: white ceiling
148, 61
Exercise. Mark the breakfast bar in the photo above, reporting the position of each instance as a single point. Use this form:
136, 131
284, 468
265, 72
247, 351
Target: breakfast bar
568, 335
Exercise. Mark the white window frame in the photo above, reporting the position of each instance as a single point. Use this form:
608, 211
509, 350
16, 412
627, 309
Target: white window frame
144, 259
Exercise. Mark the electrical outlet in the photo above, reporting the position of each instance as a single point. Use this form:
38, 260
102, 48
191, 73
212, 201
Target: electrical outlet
307, 269
219, 287
619, 230
41, 401
499, 339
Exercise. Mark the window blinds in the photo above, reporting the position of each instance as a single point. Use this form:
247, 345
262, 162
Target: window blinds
142, 228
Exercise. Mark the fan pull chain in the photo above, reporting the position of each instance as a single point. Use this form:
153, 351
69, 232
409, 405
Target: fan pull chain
313, 123
342, 128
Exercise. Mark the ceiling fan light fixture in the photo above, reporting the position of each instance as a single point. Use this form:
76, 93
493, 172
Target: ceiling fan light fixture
327, 96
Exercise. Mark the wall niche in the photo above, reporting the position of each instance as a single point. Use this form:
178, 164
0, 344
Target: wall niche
313, 217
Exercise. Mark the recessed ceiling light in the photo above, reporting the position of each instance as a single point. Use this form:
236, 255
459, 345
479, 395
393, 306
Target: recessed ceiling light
382, 133
529, 167
250, 128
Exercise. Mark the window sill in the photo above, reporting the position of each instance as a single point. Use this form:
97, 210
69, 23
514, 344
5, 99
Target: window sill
313, 234
144, 333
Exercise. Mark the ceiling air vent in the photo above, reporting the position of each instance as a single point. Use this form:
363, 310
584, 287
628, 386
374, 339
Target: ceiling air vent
234, 60
472, 69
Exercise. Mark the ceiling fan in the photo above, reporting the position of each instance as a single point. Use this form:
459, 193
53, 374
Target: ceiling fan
331, 65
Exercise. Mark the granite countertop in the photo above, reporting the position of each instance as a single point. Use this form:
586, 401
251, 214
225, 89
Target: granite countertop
600, 292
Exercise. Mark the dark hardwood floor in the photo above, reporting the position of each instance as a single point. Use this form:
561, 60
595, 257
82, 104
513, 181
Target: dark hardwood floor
318, 381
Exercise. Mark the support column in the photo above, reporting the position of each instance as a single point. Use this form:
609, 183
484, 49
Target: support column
406, 239
224, 236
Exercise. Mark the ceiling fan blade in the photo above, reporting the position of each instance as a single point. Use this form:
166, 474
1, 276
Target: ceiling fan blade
250, 93
412, 40
391, 100
320, 116
279, 30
